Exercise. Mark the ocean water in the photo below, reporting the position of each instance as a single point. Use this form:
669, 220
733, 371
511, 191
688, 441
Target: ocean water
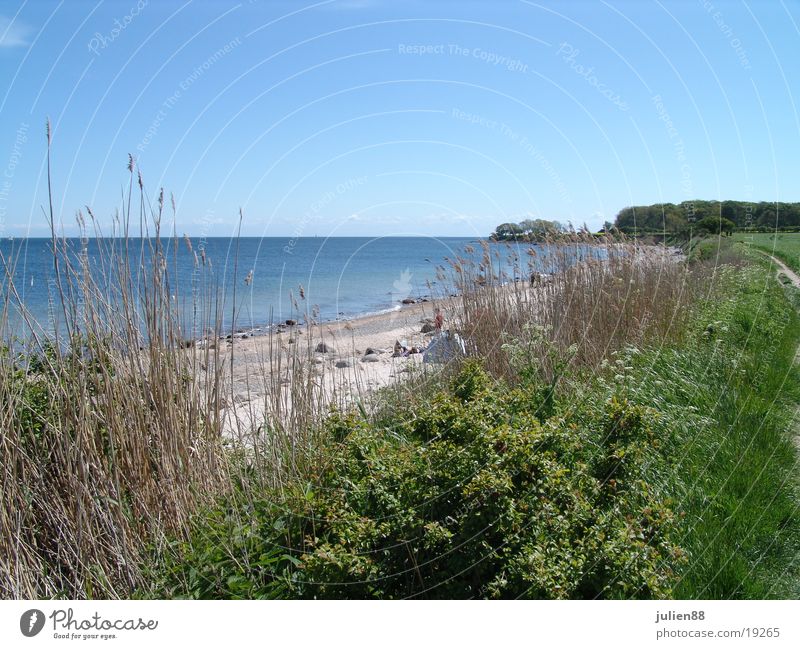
341, 277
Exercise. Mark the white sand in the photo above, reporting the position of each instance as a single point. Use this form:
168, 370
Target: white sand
256, 386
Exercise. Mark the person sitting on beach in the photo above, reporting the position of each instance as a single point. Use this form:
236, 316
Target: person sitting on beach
438, 319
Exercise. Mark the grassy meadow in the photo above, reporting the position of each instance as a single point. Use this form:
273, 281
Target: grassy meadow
621, 429
784, 245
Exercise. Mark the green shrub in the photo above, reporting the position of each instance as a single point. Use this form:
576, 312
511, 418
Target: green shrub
471, 497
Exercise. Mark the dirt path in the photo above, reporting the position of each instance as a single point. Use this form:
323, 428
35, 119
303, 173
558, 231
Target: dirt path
783, 269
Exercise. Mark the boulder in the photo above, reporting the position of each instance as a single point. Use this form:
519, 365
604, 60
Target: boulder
409, 300
343, 363
371, 358
322, 348
428, 327
444, 347
291, 323
372, 350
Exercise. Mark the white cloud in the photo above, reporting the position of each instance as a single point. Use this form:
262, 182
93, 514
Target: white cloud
13, 33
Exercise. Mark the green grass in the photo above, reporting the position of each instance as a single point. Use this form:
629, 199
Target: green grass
728, 400
784, 245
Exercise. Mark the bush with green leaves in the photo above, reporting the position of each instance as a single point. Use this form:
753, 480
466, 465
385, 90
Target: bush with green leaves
472, 496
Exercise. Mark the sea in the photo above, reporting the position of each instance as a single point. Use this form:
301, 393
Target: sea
276, 279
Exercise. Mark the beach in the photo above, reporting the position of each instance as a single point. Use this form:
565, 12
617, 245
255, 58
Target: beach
341, 361
357, 356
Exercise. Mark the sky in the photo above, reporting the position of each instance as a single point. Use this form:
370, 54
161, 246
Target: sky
381, 118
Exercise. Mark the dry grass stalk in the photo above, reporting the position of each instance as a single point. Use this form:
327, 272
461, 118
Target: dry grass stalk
596, 296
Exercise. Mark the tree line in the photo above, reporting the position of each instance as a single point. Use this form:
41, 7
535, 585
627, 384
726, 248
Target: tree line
715, 216
712, 217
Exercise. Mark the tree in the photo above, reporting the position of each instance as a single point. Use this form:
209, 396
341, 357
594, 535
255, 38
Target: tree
507, 231
527, 230
716, 225
528, 226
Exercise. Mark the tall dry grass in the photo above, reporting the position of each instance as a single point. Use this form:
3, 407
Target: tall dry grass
109, 434
278, 394
597, 296
121, 415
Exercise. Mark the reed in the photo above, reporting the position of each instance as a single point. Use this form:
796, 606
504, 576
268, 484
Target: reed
591, 299
110, 433
123, 415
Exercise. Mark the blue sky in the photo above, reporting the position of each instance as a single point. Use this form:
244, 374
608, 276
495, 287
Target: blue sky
377, 117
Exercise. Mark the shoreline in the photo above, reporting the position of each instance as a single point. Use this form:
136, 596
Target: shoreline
301, 320
301, 323
356, 358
